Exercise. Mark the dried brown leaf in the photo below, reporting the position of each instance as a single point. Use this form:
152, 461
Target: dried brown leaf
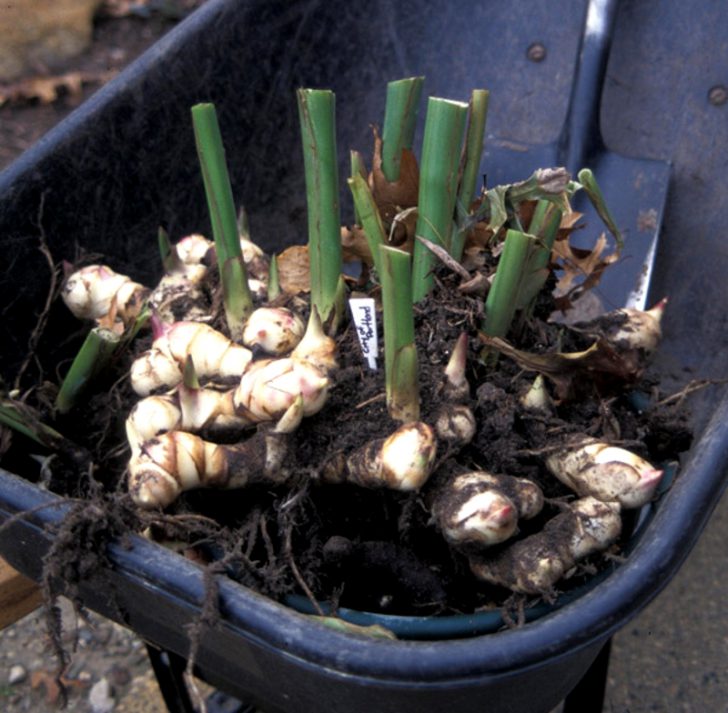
582, 268
354, 245
54, 685
601, 366
293, 269
47, 89
393, 197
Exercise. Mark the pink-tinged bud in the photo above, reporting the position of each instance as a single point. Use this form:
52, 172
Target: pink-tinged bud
606, 472
316, 347
641, 330
456, 384
276, 330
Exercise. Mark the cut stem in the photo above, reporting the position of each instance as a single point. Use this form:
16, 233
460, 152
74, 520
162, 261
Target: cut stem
444, 130
400, 352
316, 109
502, 301
472, 155
92, 357
237, 299
400, 122
368, 217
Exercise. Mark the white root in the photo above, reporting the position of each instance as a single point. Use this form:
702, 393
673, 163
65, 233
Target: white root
606, 472
97, 292
214, 355
276, 330
175, 462
535, 564
481, 509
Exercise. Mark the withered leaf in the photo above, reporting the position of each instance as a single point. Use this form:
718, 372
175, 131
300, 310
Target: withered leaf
54, 685
572, 373
354, 245
47, 89
582, 268
293, 269
392, 197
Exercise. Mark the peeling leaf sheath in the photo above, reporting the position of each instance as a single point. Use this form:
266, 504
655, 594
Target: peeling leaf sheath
400, 121
237, 298
316, 110
400, 355
444, 130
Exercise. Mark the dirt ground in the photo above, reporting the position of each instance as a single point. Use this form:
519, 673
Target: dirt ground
104, 653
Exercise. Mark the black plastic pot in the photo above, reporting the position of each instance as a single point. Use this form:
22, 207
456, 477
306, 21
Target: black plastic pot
125, 161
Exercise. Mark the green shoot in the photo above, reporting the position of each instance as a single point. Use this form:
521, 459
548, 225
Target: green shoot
92, 357
22, 419
590, 185
369, 217
471, 162
444, 130
237, 300
274, 282
168, 252
400, 121
243, 224
400, 352
316, 109
502, 300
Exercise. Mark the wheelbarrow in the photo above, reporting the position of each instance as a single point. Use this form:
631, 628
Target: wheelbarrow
124, 163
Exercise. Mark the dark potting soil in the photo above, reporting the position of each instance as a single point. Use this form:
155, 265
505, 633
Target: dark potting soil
375, 550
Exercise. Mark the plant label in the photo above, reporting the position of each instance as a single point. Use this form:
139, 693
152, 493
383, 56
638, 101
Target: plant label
365, 321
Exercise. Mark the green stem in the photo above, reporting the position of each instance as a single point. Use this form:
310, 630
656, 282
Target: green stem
471, 162
400, 122
444, 129
369, 217
237, 299
274, 282
502, 300
92, 357
400, 352
590, 185
316, 109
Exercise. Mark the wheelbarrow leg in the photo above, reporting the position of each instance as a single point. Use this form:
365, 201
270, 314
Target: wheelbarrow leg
169, 670
588, 695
